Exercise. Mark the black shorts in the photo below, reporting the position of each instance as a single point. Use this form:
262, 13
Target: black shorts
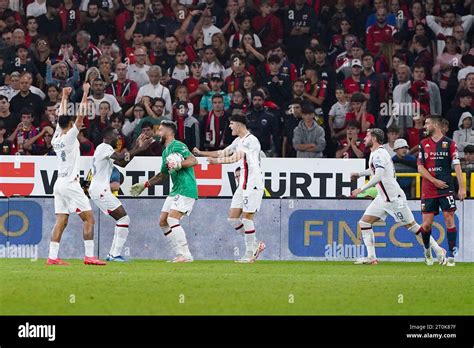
432, 205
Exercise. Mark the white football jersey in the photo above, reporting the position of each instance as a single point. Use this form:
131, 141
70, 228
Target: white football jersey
67, 150
251, 175
102, 167
388, 187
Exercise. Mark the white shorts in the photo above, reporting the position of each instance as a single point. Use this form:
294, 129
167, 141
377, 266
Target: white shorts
106, 201
398, 209
179, 203
69, 197
247, 200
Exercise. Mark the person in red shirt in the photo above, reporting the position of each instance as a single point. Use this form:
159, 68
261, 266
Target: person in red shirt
267, 26
379, 33
125, 14
438, 154
359, 113
236, 80
416, 133
315, 89
123, 89
197, 85
351, 146
357, 82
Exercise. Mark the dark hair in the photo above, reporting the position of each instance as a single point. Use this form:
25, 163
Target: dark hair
468, 149
138, 2
258, 94
378, 134
117, 117
358, 97
353, 123
30, 17
26, 111
368, 54
274, 58
419, 66
3, 97
107, 131
159, 99
169, 124
217, 96
319, 48
94, 2
241, 118
422, 40
307, 107
64, 120
147, 124
393, 129
53, 3
464, 93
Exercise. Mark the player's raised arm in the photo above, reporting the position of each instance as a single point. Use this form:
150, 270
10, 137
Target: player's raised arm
66, 92
83, 106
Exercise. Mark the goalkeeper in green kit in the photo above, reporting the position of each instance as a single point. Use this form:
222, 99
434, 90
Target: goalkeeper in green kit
178, 162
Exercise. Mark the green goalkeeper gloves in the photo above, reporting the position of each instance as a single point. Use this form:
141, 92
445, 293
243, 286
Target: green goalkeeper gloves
138, 188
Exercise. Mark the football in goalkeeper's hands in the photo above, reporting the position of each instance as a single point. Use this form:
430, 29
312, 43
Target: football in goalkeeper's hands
173, 161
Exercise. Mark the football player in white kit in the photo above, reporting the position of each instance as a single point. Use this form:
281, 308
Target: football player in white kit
69, 197
248, 196
99, 190
390, 199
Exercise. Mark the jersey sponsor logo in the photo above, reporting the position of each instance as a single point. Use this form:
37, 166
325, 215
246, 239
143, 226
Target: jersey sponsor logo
17, 178
444, 145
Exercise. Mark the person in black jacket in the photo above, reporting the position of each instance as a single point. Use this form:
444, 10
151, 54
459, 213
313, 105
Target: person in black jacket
264, 125
278, 84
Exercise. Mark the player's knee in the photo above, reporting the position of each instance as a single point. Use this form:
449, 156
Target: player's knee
124, 220
234, 222
364, 225
172, 221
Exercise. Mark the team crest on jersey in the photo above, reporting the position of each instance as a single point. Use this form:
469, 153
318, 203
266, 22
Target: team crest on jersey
422, 206
444, 144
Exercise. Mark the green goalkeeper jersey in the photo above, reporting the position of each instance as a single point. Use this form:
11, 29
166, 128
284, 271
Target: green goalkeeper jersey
184, 180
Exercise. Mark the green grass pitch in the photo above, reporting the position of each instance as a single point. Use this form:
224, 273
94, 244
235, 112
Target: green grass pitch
144, 287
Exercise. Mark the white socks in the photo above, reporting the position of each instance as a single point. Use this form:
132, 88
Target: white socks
369, 238
53, 250
180, 237
120, 236
250, 237
169, 237
89, 248
237, 224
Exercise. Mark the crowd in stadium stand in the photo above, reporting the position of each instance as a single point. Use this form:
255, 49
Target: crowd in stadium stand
311, 75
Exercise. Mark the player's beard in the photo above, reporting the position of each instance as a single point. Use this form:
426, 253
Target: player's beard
114, 143
370, 144
163, 141
428, 132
